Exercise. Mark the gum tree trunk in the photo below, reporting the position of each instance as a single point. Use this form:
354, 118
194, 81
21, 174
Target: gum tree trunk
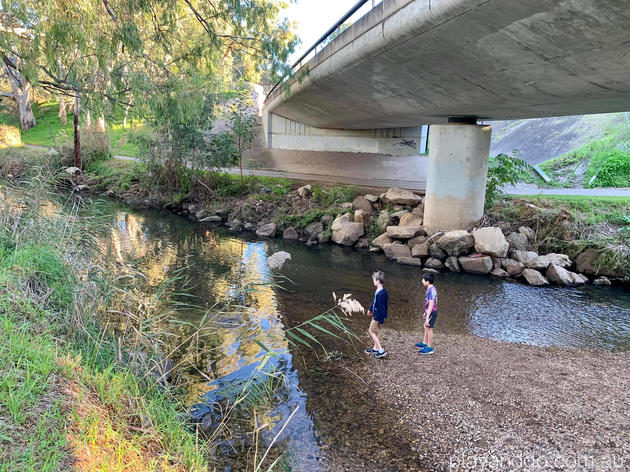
77, 136
20, 93
63, 111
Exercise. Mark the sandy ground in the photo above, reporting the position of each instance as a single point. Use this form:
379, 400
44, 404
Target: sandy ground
482, 405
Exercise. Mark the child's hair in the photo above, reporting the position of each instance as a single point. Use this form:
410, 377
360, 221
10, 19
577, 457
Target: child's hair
428, 277
379, 275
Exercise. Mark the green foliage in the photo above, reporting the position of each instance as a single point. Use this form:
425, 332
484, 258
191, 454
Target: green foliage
503, 170
609, 169
328, 196
116, 175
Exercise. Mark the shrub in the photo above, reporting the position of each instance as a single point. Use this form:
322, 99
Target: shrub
609, 169
95, 146
10, 136
503, 170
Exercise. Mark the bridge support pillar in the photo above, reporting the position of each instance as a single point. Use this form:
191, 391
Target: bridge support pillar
456, 177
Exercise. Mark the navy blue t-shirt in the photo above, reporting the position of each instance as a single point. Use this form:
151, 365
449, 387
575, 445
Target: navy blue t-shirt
379, 305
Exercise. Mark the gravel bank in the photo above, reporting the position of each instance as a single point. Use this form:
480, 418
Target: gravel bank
478, 404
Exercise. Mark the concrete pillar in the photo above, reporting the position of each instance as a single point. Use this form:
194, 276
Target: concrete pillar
456, 177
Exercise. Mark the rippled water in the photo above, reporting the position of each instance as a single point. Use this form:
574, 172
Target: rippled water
219, 264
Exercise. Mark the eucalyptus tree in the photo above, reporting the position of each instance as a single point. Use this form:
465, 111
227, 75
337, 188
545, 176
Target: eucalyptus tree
157, 56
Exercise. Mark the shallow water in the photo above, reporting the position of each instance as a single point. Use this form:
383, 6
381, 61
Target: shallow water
218, 264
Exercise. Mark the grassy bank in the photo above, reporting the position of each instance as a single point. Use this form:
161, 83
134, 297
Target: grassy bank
65, 399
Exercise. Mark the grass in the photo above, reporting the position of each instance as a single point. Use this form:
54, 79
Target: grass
49, 129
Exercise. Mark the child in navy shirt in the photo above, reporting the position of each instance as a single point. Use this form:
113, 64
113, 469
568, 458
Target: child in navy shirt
378, 312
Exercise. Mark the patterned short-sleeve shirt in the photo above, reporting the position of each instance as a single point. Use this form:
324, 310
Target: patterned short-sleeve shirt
431, 295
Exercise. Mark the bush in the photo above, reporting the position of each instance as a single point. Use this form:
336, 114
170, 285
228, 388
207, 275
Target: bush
10, 136
609, 169
22, 162
95, 146
503, 170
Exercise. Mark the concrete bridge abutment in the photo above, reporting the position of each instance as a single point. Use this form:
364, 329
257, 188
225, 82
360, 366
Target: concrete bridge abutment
456, 177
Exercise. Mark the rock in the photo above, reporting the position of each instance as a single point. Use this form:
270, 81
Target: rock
313, 228
397, 196
222, 212
496, 262
267, 231
602, 281
201, 214
418, 211
513, 268
362, 243
191, 208
559, 275
398, 208
409, 261
499, 273
433, 263
476, 264
375, 249
578, 279
490, 241
542, 262
313, 240
421, 250
72, 170
382, 240
517, 241
534, 277
211, 219
249, 226
81, 188
452, 264
290, 233
305, 191
264, 189
430, 271
361, 203
409, 219
457, 243
384, 220
323, 237
526, 257
361, 216
593, 262
371, 198
435, 251
346, 206
277, 259
417, 240
404, 232
394, 251
399, 214
327, 219
504, 227
528, 232
345, 231
235, 225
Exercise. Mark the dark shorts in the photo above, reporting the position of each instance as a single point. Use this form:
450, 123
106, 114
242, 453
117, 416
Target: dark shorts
380, 321
432, 318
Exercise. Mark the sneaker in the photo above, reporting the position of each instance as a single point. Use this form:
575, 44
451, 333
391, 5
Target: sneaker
380, 354
421, 345
426, 350
370, 351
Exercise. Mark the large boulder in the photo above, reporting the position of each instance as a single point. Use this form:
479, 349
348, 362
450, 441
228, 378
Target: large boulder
417, 240
433, 263
559, 275
371, 198
409, 219
534, 277
362, 216
528, 232
602, 281
491, 241
397, 196
452, 264
409, 261
499, 273
517, 241
404, 232
394, 251
315, 227
267, 231
457, 243
476, 264
512, 267
418, 211
345, 231
289, 233
397, 215
542, 262
421, 250
384, 220
381, 241
593, 262
435, 251
578, 279
361, 203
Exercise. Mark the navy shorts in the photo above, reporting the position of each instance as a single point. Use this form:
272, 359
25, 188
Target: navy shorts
380, 321
432, 318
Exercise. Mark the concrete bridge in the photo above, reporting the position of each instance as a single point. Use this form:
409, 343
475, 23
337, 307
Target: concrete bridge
450, 63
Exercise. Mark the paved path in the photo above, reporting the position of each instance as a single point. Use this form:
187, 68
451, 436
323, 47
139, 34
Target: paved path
374, 170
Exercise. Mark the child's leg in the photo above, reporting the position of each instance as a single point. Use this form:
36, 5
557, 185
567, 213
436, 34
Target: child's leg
374, 334
429, 336
426, 335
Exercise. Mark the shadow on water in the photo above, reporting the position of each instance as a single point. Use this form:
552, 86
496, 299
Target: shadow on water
331, 415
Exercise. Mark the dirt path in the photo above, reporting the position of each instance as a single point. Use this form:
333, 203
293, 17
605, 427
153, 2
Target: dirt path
483, 405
